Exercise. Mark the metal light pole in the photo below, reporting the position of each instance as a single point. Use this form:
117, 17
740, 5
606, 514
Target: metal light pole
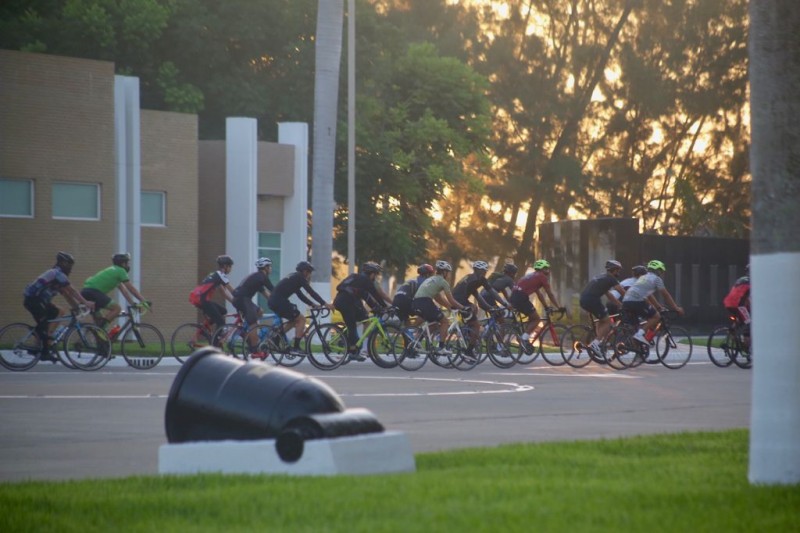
351, 135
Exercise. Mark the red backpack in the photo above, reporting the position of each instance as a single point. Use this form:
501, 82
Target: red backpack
198, 294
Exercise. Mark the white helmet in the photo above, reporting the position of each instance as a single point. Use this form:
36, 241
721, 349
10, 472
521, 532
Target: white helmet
263, 262
443, 265
481, 265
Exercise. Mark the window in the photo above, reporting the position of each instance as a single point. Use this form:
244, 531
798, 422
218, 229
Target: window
76, 200
152, 206
16, 198
269, 245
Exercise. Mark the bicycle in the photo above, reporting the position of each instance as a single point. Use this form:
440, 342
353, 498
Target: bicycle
274, 341
726, 345
546, 342
380, 335
494, 339
190, 337
576, 343
141, 345
421, 344
672, 353
21, 345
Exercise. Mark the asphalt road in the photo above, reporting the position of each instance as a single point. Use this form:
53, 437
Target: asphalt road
59, 424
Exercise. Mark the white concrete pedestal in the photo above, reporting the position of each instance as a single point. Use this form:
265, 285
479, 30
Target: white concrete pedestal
375, 453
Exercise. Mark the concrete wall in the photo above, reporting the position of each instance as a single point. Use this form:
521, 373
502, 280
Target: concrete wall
56, 124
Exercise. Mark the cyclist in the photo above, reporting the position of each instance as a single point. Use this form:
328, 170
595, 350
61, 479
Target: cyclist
257, 282
405, 292
295, 284
468, 286
636, 272
434, 290
349, 294
635, 301
737, 302
530, 284
96, 289
502, 283
217, 280
39, 295
591, 295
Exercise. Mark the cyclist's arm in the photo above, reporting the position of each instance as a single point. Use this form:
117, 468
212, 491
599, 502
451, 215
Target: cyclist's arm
227, 292
616, 301
552, 296
668, 298
74, 297
382, 293
541, 297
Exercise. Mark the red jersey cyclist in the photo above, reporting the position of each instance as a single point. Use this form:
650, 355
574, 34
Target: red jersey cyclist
532, 283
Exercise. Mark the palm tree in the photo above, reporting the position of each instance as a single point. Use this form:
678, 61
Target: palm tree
326, 97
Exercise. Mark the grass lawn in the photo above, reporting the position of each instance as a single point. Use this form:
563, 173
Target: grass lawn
681, 482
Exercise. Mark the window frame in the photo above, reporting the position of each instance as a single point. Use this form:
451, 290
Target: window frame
163, 196
32, 193
98, 202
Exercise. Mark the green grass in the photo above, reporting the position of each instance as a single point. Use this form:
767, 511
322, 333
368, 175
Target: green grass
681, 482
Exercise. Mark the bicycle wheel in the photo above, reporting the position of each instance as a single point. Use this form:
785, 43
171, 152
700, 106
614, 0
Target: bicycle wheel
20, 347
87, 347
228, 339
575, 345
142, 346
674, 347
624, 352
381, 347
463, 354
284, 353
721, 346
332, 351
548, 345
743, 357
496, 348
187, 339
416, 347
523, 351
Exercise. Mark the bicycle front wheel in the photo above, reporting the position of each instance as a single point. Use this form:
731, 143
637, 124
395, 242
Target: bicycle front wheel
674, 348
575, 345
87, 347
721, 346
187, 339
416, 347
20, 347
229, 338
331, 352
381, 346
142, 346
549, 344
497, 349
464, 354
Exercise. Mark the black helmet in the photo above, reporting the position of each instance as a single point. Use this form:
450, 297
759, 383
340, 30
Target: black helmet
510, 268
304, 266
370, 267
612, 264
64, 258
639, 270
224, 260
120, 258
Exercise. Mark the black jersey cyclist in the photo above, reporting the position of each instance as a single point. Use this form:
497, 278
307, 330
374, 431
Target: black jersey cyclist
405, 292
502, 283
217, 281
257, 282
591, 299
294, 285
468, 287
354, 289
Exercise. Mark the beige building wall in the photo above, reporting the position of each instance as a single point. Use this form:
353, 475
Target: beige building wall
169, 252
56, 124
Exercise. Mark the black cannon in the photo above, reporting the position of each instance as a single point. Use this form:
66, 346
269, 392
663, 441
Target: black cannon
216, 397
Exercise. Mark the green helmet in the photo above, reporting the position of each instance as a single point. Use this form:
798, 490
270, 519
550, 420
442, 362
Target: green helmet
540, 264
655, 264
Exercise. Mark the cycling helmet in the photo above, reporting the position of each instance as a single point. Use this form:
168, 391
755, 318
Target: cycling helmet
224, 260
639, 270
65, 258
655, 264
611, 264
263, 262
370, 267
541, 264
443, 265
510, 268
425, 269
304, 266
120, 258
480, 265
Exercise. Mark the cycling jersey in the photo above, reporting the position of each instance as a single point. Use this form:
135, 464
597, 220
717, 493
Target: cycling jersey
625, 284
643, 287
216, 278
532, 282
294, 284
107, 279
433, 286
47, 284
255, 282
599, 285
737, 297
468, 286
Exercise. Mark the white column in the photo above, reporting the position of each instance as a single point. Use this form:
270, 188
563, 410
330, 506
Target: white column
127, 145
241, 165
294, 242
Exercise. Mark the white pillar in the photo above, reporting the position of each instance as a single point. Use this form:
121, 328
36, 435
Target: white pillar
241, 180
127, 145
